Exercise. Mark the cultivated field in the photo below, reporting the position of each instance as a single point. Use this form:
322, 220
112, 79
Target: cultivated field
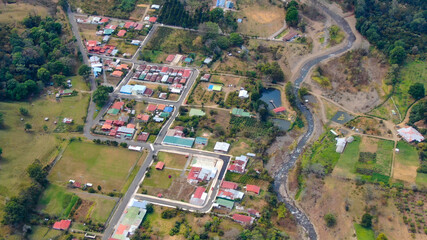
101, 165
406, 164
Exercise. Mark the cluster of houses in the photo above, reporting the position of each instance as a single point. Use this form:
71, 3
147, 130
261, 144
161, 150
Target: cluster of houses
75, 184
116, 68
163, 74
120, 125
94, 46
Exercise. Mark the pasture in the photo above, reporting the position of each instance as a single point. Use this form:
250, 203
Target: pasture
56, 201
406, 163
172, 160
44, 233
102, 165
16, 12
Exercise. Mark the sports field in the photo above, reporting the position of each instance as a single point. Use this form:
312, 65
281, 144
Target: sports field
102, 165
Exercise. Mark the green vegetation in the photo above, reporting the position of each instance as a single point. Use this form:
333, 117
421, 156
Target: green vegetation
56, 201
418, 112
172, 160
117, 9
384, 157
38, 56
336, 35
101, 95
330, 220
101, 165
160, 178
292, 17
417, 91
101, 209
40, 232
272, 72
364, 233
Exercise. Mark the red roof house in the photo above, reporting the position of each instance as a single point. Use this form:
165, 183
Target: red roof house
199, 192
152, 19
161, 107
129, 24
77, 185
279, 110
187, 73
91, 43
170, 58
106, 126
118, 105
143, 137
144, 117
121, 33
117, 74
104, 20
253, 188
242, 219
229, 185
254, 212
130, 125
62, 225
151, 107
160, 165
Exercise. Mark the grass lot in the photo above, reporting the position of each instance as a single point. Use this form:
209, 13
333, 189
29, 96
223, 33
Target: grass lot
101, 209
79, 83
364, 233
122, 46
260, 18
172, 160
100, 165
406, 162
348, 159
134, 172
323, 152
160, 178
57, 201
411, 73
13, 13
385, 111
44, 233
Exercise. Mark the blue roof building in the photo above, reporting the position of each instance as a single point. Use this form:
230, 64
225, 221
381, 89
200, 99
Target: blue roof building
201, 141
178, 141
229, 4
220, 3
168, 109
126, 89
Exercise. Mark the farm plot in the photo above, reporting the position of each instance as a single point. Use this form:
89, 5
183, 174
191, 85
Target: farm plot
94, 208
346, 164
406, 163
101, 165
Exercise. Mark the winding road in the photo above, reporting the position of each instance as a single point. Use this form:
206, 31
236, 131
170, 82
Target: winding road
282, 175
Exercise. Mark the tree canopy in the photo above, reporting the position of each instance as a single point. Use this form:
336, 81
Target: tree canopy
417, 91
101, 95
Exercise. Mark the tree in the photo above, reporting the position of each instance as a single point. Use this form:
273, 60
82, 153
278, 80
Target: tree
417, 91
99, 188
149, 208
223, 42
45, 128
292, 16
27, 127
15, 212
43, 75
123, 144
1, 152
84, 70
330, 220
38, 173
216, 15
366, 220
23, 111
209, 30
101, 95
59, 79
236, 39
397, 55
382, 236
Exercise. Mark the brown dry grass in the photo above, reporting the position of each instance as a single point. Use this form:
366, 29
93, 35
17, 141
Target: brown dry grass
369, 145
404, 172
14, 13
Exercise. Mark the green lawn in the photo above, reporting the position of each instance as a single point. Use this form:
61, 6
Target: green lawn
385, 156
364, 233
407, 155
348, 159
57, 201
172, 160
411, 73
44, 233
100, 165
78, 83
421, 179
160, 178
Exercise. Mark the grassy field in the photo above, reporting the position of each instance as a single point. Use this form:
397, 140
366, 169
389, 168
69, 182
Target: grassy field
385, 156
411, 73
57, 201
160, 178
14, 13
172, 160
44, 233
322, 152
348, 159
101, 209
364, 233
79, 83
100, 165
21, 148
406, 163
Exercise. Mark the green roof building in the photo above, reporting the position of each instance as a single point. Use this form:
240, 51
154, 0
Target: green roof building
225, 203
113, 111
196, 112
201, 141
179, 141
240, 112
164, 114
108, 31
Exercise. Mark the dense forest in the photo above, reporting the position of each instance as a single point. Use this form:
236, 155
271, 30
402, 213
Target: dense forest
397, 27
38, 56
173, 12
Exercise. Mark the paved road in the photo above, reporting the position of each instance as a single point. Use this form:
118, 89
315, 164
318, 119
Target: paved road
282, 176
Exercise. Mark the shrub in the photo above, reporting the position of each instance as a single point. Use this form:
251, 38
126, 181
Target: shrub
366, 220
330, 220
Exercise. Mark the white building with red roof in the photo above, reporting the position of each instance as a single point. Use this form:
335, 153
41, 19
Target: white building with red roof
410, 134
199, 196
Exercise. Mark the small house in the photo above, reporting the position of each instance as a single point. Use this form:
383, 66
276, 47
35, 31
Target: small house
63, 225
229, 185
243, 94
201, 141
222, 147
160, 165
205, 78
410, 134
243, 219
199, 196
121, 33
279, 110
253, 188
143, 137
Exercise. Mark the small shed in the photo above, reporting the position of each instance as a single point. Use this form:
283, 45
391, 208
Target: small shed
201, 141
160, 165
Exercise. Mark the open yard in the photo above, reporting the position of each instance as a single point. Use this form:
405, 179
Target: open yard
260, 18
172, 160
172, 184
364, 233
44, 233
101, 165
95, 208
348, 159
406, 163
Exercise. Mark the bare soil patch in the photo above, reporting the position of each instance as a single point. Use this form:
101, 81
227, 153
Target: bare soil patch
369, 145
83, 210
404, 172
